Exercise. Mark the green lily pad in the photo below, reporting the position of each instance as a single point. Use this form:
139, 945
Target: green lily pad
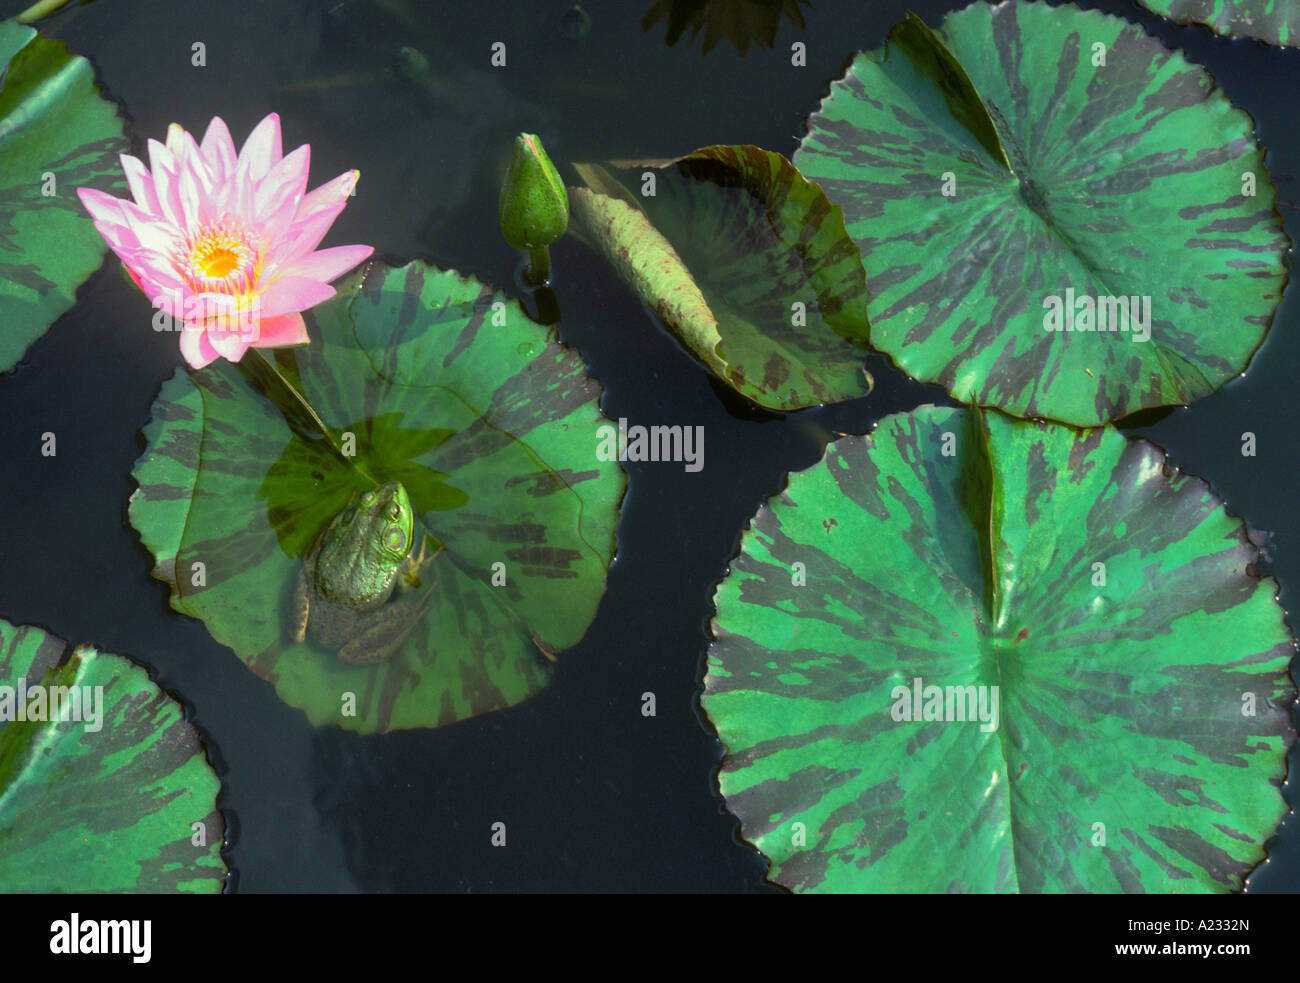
1029, 160
1272, 21
747, 263
740, 21
56, 134
1140, 665
112, 793
493, 427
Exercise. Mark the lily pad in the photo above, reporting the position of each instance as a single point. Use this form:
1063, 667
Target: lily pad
1029, 160
1107, 601
740, 21
747, 263
56, 134
111, 793
493, 427
1272, 21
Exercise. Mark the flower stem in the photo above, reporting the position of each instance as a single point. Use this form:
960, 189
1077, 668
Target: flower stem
539, 264
306, 406
38, 10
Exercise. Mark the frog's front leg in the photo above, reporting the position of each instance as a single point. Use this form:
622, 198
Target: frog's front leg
416, 565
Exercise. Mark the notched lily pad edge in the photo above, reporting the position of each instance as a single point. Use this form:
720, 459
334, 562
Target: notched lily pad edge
212, 757
1190, 20
128, 140
1254, 538
164, 571
1287, 255
595, 178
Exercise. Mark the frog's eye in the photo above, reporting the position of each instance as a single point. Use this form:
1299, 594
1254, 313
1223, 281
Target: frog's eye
395, 512
395, 540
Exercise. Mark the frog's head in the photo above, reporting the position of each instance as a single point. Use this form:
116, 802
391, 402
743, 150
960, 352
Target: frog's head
386, 511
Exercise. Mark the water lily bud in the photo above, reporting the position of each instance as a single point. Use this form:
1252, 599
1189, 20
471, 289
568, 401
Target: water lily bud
576, 23
534, 208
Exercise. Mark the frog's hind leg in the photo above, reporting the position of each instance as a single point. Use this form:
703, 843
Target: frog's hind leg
378, 642
365, 650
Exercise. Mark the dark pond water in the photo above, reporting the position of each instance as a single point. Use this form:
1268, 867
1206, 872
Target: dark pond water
595, 795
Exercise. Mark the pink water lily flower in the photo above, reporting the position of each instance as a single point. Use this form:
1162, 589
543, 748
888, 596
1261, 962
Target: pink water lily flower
224, 245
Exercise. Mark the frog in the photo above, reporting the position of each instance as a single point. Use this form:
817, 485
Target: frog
342, 596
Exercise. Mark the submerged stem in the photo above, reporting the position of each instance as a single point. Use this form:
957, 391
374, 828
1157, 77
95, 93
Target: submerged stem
306, 406
38, 10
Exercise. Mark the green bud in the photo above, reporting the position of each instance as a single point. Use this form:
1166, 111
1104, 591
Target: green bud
534, 209
576, 23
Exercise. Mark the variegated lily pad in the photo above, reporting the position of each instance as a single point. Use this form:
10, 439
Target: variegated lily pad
967, 653
740, 21
747, 263
104, 785
1272, 21
1029, 175
56, 134
422, 377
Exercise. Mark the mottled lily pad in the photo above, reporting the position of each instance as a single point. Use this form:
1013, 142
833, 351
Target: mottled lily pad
1272, 21
56, 134
1027, 160
493, 427
110, 790
740, 21
1141, 727
747, 263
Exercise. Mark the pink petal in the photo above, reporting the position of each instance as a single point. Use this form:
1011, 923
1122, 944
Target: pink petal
193, 202
154, 235
303, 237
235, 198
195, 347
329, 194
160, 158
211, 304
118, 237
219, 150
140, 182
229, 344
287, 329
285, 179
160, 298
296, 293
171, 301
327, 264
191, 156
165, 182
176, 139
261, 151
276, 199
275, 228
102, 206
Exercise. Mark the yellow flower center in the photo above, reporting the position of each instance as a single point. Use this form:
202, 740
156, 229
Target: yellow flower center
219, 261
220, 258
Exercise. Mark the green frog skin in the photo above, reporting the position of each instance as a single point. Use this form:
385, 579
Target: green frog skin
343, 594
